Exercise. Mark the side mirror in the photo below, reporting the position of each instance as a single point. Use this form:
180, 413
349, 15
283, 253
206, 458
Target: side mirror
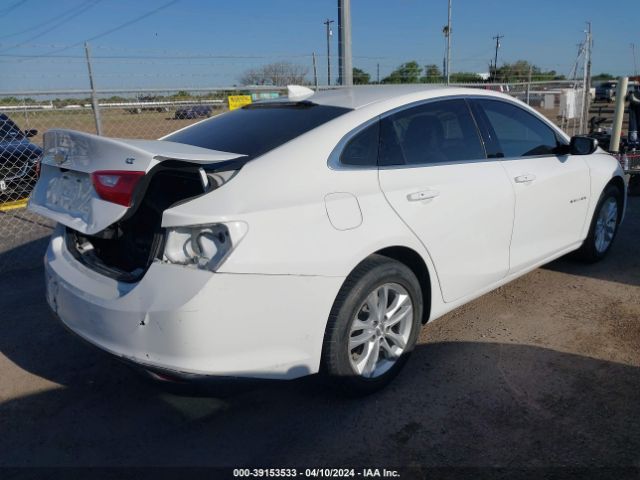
31, 133
581, 145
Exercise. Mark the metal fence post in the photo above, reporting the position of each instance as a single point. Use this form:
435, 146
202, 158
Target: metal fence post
94, 97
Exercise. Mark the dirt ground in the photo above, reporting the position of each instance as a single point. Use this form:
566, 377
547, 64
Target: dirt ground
542, 372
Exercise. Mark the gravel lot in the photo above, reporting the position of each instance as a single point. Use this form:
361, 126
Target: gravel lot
542, 372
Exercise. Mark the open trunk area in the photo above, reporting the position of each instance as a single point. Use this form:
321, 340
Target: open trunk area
125, 249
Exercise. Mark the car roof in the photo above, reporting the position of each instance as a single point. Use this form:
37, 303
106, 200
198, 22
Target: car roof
361, 96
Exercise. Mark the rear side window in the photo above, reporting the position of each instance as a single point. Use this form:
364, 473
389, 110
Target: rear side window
258, 128
362, 149
514, 132
436, 132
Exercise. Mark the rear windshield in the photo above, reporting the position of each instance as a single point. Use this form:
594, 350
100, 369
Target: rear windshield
255, 129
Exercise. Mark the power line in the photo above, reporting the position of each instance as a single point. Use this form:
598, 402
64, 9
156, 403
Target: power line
12, 7
130, 22
112, 30
83, 9
42, 24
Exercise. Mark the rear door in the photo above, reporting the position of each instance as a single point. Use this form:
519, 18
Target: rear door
551, 190
434, 173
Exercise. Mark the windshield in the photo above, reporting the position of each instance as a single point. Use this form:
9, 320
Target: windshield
255, 129
8, 129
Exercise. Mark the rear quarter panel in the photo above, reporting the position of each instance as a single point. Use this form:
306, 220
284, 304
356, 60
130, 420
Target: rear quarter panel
281, 197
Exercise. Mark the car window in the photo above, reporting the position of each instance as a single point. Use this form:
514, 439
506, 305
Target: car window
8, 129
255, 129
362, 149
516, 132
436, 132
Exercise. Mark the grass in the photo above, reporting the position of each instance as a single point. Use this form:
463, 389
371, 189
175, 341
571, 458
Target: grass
115, 122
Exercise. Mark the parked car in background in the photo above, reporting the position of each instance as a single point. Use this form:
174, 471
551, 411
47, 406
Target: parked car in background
18, 160
317, 233
607, 91
194, 111
148, 103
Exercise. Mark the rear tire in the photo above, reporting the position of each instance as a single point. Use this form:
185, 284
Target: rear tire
604, 226
373, 326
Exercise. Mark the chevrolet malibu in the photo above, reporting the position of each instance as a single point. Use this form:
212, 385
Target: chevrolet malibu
315, 233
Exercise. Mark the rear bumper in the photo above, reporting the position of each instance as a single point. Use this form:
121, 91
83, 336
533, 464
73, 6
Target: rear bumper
194, 323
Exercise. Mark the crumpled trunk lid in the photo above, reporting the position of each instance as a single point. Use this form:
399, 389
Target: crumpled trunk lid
65, 192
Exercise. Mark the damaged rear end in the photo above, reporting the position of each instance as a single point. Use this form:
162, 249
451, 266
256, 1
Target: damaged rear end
110, 195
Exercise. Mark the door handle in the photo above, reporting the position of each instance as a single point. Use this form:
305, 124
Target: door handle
526, 178
423, 195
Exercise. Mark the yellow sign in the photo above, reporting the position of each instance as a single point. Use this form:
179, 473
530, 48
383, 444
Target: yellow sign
238, 101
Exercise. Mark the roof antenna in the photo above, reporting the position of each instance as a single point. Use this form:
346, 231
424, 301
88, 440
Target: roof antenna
298, 92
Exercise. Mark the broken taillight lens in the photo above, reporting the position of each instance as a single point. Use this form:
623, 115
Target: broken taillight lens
116, 186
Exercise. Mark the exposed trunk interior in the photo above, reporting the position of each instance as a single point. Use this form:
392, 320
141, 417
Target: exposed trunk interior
125, 249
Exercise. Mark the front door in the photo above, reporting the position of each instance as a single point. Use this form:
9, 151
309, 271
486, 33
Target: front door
551, 189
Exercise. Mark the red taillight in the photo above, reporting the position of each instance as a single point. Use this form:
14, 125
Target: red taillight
116, 186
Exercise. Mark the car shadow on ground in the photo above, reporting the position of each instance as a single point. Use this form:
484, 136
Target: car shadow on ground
458, 403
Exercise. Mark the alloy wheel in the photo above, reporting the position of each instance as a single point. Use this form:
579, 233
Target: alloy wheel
380, 330
606, 224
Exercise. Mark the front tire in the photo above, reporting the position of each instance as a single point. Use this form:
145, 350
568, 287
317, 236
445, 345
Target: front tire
373, 326
604, 226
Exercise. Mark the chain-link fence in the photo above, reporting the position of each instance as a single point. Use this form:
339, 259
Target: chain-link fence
25, 116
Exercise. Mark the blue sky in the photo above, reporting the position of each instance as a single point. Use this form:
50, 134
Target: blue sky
229, 37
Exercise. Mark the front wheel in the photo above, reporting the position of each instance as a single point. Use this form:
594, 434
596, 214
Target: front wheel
373, 326
604, 226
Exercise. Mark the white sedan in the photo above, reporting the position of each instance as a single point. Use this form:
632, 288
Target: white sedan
315, 233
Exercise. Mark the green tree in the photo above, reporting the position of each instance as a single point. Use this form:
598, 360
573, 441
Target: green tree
181, 94
465, 77
432, 74
360, 77
519, 72
408, 72
603, 76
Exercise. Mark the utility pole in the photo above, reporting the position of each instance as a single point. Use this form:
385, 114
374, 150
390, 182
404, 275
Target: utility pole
529, 85
635, 63
94, 97
586, 79
345, 73
447, 34
328, 23
378, 73
495, 61
315, 71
